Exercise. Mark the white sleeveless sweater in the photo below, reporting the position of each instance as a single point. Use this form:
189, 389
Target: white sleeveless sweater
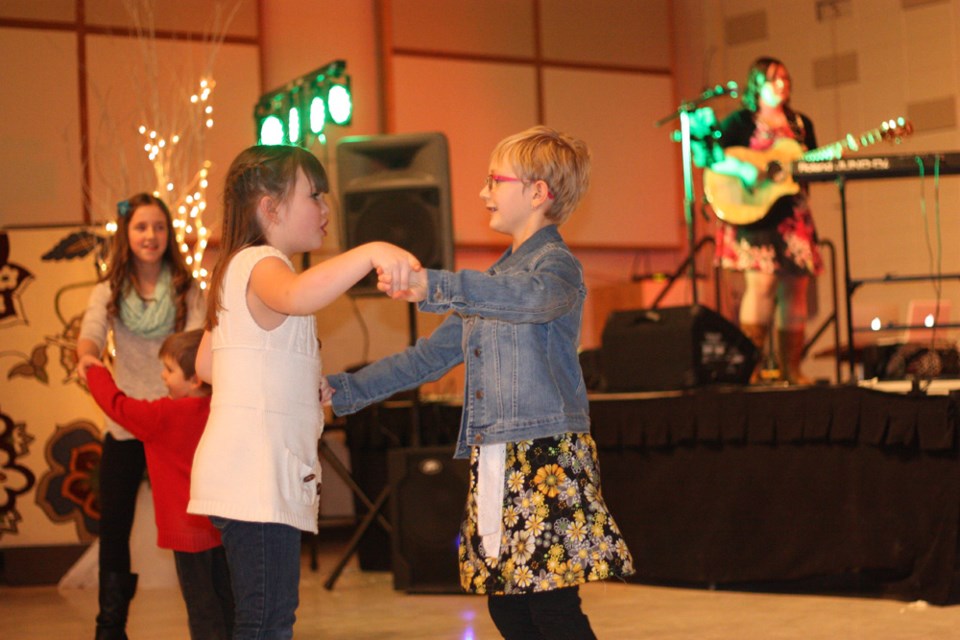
257, 460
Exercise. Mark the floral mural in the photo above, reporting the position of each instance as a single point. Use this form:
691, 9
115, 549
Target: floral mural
15, 478
68, 491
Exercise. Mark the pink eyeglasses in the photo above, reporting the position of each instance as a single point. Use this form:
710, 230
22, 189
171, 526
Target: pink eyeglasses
495, 179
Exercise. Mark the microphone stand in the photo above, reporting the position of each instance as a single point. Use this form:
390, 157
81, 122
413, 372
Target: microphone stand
683, 113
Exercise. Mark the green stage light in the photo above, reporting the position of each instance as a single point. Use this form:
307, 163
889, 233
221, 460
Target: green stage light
298, 112
271, 130
294, 125
341, 104
318, 114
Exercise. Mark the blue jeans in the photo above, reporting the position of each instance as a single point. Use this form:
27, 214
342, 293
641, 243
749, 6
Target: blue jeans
264, 561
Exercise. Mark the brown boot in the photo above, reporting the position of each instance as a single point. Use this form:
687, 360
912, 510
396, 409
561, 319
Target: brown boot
790, 353
757, 333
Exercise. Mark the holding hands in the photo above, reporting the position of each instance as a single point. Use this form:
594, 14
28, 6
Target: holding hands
86, 361
414, 290
396, 269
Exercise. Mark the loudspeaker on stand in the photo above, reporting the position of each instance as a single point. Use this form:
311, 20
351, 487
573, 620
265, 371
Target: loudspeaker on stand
396, 188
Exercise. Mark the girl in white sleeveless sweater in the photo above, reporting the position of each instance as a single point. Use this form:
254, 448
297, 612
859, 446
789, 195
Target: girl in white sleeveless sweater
256, 472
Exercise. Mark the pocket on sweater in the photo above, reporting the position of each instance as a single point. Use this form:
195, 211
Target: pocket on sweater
301, 480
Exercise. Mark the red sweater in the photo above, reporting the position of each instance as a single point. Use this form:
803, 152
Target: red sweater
170, 430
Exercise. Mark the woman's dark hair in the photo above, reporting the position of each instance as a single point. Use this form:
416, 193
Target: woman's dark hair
757, 75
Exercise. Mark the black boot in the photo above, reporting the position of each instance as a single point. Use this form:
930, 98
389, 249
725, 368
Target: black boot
116, 591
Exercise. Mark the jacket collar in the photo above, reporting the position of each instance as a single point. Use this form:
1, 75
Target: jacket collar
547, 235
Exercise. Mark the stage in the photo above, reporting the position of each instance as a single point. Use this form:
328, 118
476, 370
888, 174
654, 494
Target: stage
803, 489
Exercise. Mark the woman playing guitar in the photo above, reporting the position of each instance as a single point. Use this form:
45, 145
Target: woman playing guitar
778, 253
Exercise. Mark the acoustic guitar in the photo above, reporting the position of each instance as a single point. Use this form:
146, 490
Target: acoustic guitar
735, 203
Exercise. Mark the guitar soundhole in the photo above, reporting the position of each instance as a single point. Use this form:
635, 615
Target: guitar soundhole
774, 171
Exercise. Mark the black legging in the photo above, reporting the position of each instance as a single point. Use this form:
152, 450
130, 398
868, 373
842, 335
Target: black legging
121, 470
549, 615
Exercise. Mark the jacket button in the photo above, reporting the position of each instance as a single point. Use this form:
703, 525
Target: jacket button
479, 395
476, 352
478, 438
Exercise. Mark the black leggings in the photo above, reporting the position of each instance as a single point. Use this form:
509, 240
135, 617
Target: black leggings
121, 470
546, 615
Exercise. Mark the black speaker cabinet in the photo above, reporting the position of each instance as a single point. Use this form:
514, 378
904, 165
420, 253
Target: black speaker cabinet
673, 348
429, 492
396, 188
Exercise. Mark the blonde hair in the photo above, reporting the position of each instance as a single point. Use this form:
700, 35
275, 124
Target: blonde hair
561, 161
261, 170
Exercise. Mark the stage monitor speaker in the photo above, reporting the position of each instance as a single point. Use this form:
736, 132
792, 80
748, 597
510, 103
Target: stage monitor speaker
429, 492
396, 188
673, 348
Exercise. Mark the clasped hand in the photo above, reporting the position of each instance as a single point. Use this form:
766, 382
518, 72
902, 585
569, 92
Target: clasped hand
85, 362
409, 285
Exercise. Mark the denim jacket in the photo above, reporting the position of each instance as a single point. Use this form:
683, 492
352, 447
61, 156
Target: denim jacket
517, 327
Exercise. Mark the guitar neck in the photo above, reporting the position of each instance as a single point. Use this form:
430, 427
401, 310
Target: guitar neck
835, 150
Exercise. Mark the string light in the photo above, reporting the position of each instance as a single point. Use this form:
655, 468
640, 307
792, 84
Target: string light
187, 201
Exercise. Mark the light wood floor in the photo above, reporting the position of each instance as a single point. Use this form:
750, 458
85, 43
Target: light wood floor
364, 606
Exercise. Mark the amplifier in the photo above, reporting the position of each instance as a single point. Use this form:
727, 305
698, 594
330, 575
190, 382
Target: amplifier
673, 348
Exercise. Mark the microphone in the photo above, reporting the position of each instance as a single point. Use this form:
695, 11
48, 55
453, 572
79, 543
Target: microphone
731, 89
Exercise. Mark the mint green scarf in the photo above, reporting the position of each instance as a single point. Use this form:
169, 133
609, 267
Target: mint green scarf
152, 318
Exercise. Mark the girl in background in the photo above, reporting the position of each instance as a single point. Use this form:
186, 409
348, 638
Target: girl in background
146, 294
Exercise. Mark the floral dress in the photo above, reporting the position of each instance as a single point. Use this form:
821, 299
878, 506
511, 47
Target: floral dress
784, 242
556, 531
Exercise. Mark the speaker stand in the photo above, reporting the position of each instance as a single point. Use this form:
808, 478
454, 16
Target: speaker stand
373, 513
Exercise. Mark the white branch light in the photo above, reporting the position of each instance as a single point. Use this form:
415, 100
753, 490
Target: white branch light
186, 201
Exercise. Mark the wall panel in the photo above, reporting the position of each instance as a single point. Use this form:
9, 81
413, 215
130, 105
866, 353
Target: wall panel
120, 101
40, 129
59, 10
196, 16
607, 32
635, 197
486, 27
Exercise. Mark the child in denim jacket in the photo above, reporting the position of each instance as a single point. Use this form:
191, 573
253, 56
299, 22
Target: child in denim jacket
535, 525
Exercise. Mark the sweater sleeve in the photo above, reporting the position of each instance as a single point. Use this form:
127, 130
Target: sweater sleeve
96, 324
196, 308
142, 418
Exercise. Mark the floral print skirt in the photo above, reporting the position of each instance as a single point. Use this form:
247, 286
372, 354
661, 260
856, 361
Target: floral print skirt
783, 243
557, 531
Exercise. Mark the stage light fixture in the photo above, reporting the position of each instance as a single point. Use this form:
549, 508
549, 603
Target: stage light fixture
299, 112
341, 104
318, 115
272, 130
